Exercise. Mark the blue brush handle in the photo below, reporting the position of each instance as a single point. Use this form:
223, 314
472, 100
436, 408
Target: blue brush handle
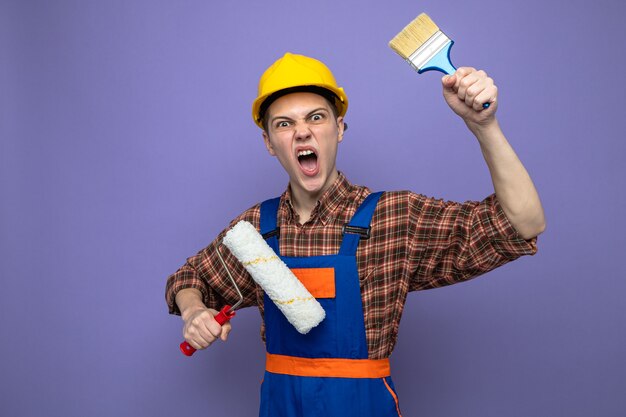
441, 62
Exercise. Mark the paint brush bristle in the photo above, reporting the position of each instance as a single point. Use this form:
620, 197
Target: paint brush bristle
414, 35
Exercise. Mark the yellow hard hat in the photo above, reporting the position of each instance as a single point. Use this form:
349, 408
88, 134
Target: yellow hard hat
292, 71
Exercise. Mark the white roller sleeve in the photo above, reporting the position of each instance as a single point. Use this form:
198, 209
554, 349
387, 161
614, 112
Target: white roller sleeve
300, 308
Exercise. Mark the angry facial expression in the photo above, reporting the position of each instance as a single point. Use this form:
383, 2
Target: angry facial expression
303, 133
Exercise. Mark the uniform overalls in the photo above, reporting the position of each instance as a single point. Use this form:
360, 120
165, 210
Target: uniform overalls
325, 373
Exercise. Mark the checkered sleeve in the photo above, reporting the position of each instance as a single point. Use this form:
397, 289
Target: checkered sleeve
453, 242
205, 272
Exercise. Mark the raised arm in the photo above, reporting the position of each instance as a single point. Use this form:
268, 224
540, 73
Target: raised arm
465, 92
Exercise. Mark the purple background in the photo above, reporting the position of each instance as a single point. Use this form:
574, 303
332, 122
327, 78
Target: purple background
126, 145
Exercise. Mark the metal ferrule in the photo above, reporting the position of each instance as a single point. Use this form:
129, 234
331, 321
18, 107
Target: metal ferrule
428, 50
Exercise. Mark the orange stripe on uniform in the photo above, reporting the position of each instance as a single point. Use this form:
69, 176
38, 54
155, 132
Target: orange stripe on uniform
327, 367
320, 282
395, 397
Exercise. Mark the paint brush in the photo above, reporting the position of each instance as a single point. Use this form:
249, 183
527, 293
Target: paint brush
425, 47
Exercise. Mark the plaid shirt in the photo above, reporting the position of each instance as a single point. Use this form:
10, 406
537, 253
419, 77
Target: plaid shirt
416, 243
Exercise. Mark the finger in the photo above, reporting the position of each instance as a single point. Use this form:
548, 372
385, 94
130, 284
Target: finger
213, 327
196, 339
488, 95
477, 82
448, 81
198, 345
469, 82
473, 91
199, 329
209, 329
482, 91
461, 73
226, 328
449, 93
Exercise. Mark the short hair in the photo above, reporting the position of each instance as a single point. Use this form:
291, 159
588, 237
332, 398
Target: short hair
328, 95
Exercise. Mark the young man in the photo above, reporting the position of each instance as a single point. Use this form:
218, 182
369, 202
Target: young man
394, 242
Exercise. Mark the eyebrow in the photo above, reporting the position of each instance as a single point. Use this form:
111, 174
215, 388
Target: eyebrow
317, 110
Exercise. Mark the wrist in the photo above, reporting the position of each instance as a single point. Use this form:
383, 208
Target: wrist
189, 300
485, 132
185, 313
483, 127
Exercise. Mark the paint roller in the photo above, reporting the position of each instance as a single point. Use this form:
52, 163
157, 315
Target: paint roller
291, 297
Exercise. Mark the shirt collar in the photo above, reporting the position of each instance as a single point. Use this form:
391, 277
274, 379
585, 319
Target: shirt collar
328, 207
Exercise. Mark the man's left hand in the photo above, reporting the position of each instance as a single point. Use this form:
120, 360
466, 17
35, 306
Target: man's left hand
466, 91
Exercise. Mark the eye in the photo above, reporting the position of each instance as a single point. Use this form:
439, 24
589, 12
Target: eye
317, 117
282, 123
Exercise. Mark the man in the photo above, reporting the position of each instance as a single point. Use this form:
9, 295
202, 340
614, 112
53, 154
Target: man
378, 246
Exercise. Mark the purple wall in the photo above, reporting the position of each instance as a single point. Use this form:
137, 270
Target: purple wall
126, 144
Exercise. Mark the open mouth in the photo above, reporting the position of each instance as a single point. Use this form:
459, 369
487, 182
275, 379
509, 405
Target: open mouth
308, 161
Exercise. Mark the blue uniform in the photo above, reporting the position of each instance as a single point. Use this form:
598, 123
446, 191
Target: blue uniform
327, 371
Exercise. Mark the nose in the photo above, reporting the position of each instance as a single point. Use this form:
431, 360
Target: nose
302, 131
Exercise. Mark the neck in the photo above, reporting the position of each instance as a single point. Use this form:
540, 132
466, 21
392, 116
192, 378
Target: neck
304, 201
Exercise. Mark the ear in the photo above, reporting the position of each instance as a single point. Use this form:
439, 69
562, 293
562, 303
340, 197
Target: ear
341, 128
268, 144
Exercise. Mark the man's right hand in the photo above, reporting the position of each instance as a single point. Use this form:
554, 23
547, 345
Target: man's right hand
200, 329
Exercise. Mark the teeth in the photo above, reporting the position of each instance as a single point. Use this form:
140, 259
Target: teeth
305, 153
